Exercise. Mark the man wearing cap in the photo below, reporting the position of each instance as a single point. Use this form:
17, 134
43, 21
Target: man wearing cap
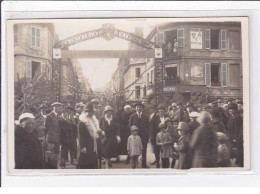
53, 135
157, 119
141, 121
68, 133
28, 150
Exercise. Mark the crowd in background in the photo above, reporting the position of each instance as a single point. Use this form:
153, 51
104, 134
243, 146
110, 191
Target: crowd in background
89, 135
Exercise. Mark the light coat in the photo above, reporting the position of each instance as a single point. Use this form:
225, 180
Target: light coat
134, 145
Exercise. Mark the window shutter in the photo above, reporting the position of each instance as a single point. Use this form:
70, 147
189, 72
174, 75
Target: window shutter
43, 67
207, 74
180, 37
207, 39
28, 70
223, 39
224, 74
38, 37
33, 37
160, 39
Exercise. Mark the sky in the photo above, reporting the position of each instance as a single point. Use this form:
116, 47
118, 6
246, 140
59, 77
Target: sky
99, 71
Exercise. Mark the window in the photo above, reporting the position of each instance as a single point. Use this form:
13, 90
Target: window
36, 68
137, 72
180, 37
16, 33
137, 92
28, 70
43, 67
215, 74
171, 41
144, 90
223, 39
235, 77
148, 79
212, 39
36, 37
160, 39
171, 75
234, 41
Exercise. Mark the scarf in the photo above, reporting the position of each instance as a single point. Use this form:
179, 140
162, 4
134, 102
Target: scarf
92, 125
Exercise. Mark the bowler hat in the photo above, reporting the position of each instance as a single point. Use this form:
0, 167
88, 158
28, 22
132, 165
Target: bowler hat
108, 108
56, 104
139, 104
232, 106
160, 107
69, 108
161, 125
89, 107
134, 128
183, 126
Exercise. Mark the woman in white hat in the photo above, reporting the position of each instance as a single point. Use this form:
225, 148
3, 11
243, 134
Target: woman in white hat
110, 128
28, 150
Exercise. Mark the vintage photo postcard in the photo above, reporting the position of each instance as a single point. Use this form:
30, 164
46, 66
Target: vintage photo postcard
128, 95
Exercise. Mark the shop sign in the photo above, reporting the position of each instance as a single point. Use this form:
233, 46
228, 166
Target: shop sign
169, 88
196, 39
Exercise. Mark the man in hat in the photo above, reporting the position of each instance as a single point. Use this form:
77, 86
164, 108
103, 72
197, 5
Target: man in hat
28, 150
53, 135
194, 123
233, 126
157, 119
141, 121
68, 133
178, 117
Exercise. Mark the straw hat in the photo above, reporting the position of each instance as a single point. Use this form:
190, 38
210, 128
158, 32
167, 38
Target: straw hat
24, 116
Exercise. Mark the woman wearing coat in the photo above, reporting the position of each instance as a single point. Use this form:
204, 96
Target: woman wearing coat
110, 129
89, 139
28, 150
204, 143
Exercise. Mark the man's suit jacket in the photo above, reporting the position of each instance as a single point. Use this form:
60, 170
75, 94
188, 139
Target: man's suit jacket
143, 125
52, 128
155, 127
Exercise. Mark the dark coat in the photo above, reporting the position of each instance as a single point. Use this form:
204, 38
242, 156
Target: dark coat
28, 150
52, 128
155, 128
143, 126
218, 126
233, 126
111, 146
183, 149
124, 131
192, 126
68, 132
86, 141
205, 147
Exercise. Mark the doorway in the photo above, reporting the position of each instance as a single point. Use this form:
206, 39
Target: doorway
36, 68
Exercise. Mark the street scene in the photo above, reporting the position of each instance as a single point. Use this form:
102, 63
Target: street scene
128, 93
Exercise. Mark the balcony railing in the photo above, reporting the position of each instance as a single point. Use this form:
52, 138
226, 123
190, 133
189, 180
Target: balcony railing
172, 81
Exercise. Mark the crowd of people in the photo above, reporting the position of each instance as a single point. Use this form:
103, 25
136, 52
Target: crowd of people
182, 136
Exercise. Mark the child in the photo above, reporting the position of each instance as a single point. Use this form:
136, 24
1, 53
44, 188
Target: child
183, 146
164, 140
134, 146
223, 153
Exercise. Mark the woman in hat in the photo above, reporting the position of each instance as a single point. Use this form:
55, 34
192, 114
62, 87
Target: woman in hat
182, 147
89, 134
204, 143
110, 128
28, 150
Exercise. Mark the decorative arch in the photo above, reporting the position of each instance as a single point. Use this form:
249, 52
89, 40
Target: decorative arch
108, 32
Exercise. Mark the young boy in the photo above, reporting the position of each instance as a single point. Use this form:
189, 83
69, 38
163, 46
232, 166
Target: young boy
134, 146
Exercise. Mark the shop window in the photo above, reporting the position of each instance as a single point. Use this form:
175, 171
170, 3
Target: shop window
36, 37
16, 33
137, 92
171, 77
215, 74
137, 72
234, 41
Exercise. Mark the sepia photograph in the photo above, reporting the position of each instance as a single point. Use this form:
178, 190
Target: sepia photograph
129, 94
